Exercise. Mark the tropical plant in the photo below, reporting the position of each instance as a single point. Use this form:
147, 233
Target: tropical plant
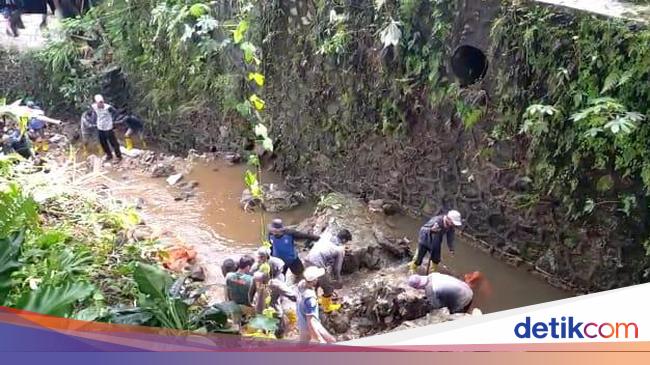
55, 301
17, 210
9, 253
160, 295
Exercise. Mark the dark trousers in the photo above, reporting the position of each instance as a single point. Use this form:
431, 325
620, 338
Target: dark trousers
106, 138
433, 250
296, 268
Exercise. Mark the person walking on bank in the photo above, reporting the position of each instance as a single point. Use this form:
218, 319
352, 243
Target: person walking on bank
104, 116
283, 246
12, 12
430, 238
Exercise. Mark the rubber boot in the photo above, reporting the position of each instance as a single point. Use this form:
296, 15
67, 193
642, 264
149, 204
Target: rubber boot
291, 317
432, 268
129, 143
413, 267
328, 305
100, 150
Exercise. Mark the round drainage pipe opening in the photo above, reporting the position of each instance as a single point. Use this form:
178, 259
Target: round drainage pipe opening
469, 64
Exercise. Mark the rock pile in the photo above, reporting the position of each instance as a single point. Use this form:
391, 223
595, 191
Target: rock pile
275, 199
372, 301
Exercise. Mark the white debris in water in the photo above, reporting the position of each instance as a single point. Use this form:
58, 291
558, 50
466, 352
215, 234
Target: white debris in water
173, 179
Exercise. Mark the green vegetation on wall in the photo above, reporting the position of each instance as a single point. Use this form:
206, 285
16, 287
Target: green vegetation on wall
579, 103
182, 62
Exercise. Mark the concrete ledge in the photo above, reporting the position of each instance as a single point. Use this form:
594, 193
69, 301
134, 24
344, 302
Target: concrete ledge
611, 8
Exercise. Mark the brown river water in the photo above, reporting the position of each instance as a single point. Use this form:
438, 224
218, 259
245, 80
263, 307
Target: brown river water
215, 225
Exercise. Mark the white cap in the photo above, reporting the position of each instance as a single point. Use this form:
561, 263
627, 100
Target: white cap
99, 98
454, 215
312, 273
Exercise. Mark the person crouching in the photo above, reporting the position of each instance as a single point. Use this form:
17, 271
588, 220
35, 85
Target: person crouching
447, 291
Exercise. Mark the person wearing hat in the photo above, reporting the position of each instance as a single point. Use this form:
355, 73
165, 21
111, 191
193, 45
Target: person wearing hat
283, 246
446, 291
268, 264
328, 253
103, 116
309, 323
431, 235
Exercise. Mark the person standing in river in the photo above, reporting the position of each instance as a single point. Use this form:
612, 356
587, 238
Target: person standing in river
430, 238
103, 114
283, 246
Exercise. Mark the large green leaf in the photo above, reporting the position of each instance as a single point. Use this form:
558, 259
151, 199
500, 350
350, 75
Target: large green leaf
230, 308
215, 318
152, 281
263, 323
17, 211
56, 301
132, 316
9, 250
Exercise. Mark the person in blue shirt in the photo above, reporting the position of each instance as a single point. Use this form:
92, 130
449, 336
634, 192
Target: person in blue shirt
283, 246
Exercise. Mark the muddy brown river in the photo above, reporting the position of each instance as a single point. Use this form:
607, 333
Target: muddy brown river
215, 225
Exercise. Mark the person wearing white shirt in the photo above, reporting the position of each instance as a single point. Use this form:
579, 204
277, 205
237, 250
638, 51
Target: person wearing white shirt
103, 114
